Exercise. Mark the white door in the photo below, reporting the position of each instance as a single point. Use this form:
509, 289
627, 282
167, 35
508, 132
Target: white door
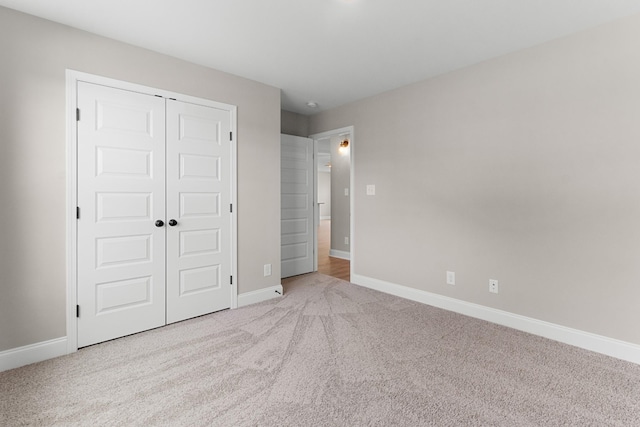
121, 268
297, 203
154, 229
198, 210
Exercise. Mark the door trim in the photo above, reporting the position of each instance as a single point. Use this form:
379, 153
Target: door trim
352, 188
72, 78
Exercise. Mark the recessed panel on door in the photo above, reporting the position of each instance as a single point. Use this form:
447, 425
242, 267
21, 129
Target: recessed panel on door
198, 205
292, 227
199, 167
197, 128
117, 251
200, 279
126, 206
125, 118
199, 242
123, 162
296, 201
123, 294
295, 251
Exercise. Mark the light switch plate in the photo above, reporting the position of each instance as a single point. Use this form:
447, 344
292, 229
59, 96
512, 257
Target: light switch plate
371, 190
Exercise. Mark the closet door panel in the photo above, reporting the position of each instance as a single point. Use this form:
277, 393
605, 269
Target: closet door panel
121, 169
198, 202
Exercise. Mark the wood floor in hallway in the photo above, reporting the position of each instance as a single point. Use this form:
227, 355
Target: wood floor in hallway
331, 266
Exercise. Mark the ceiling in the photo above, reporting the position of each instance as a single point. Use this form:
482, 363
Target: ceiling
331, 52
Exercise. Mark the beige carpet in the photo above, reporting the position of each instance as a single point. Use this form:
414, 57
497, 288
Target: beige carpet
327, 353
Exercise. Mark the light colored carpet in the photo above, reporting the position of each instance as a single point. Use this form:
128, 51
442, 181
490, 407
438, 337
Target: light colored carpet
327, 353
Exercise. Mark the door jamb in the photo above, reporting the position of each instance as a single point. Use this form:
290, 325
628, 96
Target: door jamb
316, 207
72, 79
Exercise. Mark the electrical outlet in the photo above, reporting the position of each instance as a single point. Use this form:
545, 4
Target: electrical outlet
451, 278
493, 286
346, 191
371, 190
346, 240
267, 270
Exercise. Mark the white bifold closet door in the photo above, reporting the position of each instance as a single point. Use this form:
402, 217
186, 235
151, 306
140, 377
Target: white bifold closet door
154, 228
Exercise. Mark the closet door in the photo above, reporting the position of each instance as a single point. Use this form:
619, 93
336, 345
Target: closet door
199, 237
121, 195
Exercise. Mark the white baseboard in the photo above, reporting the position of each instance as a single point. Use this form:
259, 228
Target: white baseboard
33, 353
586, 340
340, 254
325, 217
260, 295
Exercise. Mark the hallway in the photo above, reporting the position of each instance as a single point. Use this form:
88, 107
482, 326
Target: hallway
331, 266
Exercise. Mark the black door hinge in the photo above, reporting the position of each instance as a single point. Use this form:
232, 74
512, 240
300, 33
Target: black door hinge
231, 280
77, 114
77, 212
230, 136
231, 208
77, 311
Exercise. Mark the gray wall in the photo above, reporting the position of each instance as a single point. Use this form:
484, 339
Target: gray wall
324, 193
35, 54
340, 204
525, 169
294, 124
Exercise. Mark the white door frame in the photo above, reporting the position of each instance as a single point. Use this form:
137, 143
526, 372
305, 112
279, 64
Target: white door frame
352, 243
72, 78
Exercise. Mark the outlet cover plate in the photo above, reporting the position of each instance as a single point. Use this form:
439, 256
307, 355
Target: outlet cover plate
493, 286
451, 278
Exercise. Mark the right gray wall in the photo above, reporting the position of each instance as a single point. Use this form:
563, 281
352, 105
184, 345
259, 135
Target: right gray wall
524, 168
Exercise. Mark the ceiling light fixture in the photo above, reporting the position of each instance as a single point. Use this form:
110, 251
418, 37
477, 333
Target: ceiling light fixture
312, 104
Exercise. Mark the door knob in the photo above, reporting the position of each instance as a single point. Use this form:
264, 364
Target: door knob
173, 222
159, 223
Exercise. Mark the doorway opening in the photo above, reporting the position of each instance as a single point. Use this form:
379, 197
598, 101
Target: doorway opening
334, 228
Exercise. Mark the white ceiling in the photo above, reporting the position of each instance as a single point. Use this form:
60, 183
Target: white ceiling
331, 51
